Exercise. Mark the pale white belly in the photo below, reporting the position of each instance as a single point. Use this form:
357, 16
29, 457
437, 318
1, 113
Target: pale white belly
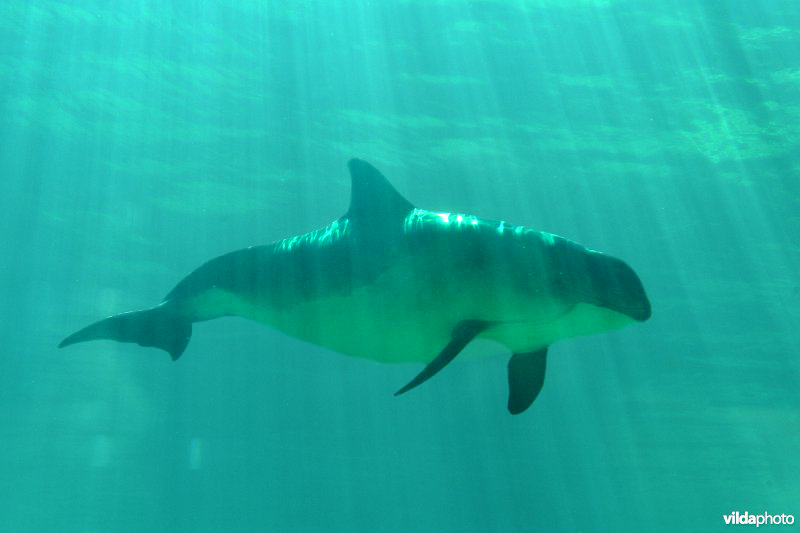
393, 320
370, 323
579, 319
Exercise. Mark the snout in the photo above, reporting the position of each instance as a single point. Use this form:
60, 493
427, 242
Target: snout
640, 313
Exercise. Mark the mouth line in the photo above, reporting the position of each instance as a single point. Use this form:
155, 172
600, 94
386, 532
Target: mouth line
640, 313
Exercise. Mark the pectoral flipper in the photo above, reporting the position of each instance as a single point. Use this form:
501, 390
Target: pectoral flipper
463, 333
525, 379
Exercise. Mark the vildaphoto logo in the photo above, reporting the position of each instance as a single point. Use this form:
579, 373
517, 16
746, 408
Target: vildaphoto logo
746, 519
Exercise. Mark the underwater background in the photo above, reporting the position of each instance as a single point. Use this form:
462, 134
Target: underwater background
139, 139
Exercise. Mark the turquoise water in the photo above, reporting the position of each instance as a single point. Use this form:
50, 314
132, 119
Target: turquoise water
139, 139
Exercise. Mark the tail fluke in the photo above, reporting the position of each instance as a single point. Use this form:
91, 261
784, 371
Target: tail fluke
160, 327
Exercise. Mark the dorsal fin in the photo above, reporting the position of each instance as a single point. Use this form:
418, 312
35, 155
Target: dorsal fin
372, 196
